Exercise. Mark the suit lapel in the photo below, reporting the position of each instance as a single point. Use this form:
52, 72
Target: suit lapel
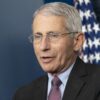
41, 89
76, 81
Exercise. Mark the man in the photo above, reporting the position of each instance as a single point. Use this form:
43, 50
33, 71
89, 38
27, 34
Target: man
57, 40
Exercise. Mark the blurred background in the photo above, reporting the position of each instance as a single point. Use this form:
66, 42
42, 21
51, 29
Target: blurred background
18, 64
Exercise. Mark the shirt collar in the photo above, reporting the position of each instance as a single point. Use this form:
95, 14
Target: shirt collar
62, 76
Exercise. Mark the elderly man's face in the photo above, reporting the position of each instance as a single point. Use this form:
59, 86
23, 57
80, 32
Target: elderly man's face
53, 55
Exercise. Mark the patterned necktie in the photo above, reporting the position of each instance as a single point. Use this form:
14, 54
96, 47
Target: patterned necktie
55, 93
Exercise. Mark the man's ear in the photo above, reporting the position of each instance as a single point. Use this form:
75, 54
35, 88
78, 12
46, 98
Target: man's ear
78, 41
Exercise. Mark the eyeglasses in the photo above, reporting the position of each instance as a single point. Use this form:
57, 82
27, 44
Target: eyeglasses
51, 36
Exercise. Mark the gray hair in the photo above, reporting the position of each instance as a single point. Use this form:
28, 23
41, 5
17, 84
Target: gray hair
71, 15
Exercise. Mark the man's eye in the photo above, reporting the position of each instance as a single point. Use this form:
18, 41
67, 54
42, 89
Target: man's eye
37, 36
53, 35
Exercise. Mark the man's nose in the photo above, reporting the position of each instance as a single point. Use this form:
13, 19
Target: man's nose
45, 44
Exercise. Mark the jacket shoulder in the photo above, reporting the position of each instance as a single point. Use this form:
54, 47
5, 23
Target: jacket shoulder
93, 68
27, 90
89, 68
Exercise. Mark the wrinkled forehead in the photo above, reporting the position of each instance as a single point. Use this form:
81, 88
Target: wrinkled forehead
48, 23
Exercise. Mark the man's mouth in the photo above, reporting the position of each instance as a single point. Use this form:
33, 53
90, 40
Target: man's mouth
46, 59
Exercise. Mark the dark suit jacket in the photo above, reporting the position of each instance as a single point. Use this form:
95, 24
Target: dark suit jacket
83, 84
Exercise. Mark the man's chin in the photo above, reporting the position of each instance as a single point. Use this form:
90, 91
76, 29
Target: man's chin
48, 70
53, 72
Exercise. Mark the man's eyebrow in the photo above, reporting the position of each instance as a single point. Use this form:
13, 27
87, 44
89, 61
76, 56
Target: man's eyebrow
38, 33
52, 32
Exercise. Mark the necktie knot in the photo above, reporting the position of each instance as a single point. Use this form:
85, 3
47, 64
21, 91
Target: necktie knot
56, 81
